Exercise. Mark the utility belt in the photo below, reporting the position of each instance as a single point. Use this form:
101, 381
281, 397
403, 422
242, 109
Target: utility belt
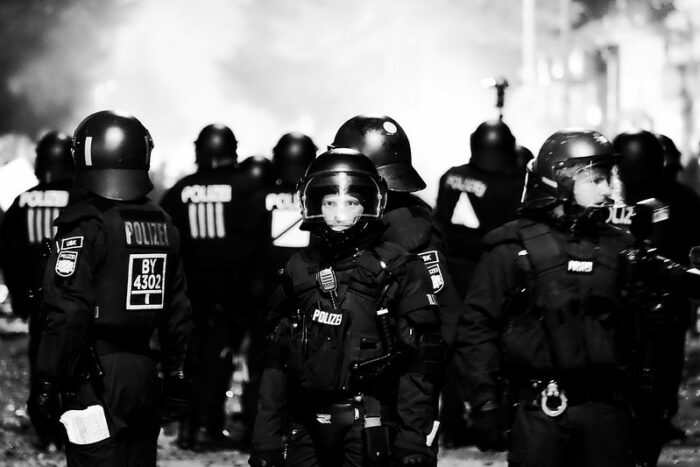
554, 395
122, 341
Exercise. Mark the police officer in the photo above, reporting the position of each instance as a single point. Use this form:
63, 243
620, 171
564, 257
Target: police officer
220, 235
477, 197
543, 315
353, 347
672, 158
258, 169
408, 221
113, 278
22, 249
642, 158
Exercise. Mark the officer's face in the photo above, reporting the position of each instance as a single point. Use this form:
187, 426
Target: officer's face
591, 186
341, 211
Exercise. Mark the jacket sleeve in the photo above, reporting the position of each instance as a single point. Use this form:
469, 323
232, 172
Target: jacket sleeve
415, 308
477, 352
174, 326
69, 300
272, 396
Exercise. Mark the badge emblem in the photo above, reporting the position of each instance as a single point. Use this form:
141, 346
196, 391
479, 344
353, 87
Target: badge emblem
65, 263
432, 264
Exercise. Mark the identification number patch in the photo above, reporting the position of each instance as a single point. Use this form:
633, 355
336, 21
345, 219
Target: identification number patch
432, 264
146, 286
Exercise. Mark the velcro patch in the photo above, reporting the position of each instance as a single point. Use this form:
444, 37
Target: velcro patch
71, 243
65, 263
432, 264
326, 317
146, 286
429, 256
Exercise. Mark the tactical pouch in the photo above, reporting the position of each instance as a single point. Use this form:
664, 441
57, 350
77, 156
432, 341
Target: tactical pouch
375, 445
331, 425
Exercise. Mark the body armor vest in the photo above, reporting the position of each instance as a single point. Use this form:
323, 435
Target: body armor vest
336, 322
131, 286
566, 317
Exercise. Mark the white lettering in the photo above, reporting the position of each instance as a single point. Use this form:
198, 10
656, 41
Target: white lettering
470, 185
286, 201
206, 193
48, 198
580, 266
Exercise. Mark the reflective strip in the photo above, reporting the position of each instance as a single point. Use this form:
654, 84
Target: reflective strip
30, 225
220, 226
38, 224
54, 229
202, 217
192, 214
211, 233
47, 223
88, 151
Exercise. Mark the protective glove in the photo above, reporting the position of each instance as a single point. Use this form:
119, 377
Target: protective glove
408, 458
488, 428
176, 397
44, 404
273, 458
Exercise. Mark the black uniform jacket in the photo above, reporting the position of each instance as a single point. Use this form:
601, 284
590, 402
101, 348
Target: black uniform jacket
337, 335
409, 222
25, 225
114, 277
565, 322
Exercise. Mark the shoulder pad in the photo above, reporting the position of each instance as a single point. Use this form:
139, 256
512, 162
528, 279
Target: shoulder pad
410, 227
78, 212
507, 233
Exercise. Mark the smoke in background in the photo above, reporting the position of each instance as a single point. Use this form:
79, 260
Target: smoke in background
261, 67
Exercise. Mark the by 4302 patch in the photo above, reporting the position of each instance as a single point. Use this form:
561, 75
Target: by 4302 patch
146, 285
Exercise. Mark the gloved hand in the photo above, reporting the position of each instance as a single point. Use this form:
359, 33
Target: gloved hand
44, 403
273, 458
488, 428
176, 397
408, 458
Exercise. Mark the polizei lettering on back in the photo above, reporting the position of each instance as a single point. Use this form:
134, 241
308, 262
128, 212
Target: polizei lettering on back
206, 194
325, 317
144, 233
579, 267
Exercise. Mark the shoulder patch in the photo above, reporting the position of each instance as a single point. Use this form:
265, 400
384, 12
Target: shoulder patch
65, 263
71, 243
432, 264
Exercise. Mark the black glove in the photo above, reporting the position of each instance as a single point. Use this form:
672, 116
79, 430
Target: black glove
274, 458
176, 398
408, 458
44, 404
488, 428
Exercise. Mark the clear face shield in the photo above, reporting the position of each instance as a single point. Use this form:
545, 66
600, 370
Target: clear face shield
595, 184
341, 200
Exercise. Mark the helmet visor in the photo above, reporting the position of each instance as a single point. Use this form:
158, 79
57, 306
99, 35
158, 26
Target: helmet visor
592, 182
341, 199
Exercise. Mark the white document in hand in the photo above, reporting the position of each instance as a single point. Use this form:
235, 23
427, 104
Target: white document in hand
86, 426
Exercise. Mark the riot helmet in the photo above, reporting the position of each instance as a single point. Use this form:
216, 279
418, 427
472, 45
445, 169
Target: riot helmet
257, 169
493, 148
341, 195
54, 160
569, 159
523, 156
216, 147
112, 153
672, 157
291, 156
383, 140
641, 164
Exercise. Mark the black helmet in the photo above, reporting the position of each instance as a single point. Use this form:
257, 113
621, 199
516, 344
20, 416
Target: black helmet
493, 148
641, 163
524, 156
672, 156
257, 169
291, 156
383, 140
54, 160
550, 179
112, 153
343, 172
216, 147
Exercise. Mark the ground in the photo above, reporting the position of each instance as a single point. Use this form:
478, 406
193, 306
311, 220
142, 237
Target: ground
16, 434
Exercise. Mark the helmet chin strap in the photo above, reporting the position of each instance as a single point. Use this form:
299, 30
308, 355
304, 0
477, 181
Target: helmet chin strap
355, 237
